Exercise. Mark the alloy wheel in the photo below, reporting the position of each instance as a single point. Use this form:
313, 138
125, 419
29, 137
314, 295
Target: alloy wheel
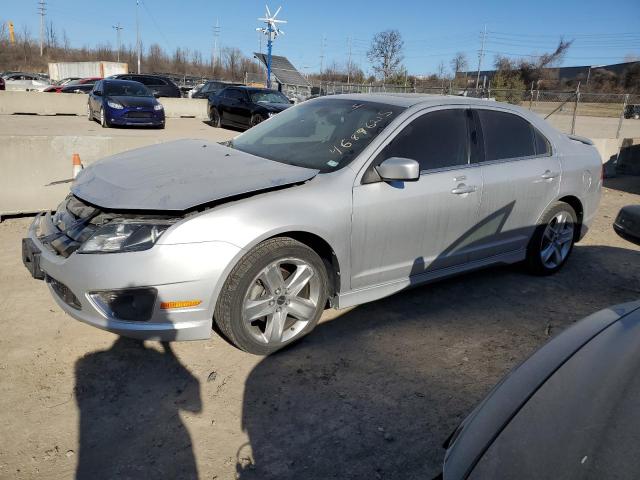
557, 240
281, 301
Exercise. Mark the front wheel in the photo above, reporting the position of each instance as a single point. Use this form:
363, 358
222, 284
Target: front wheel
103, 119
214, 117
256, 119
553, 239
89, 113
274, 296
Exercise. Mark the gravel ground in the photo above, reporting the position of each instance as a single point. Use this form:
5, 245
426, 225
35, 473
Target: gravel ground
372, 393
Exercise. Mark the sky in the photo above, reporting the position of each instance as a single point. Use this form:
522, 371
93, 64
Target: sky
603, 32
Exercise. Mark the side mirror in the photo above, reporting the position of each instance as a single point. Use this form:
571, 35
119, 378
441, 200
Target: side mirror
399, 169
627, 223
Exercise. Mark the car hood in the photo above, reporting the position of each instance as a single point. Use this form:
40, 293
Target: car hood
134, 101
274, 107
180, 175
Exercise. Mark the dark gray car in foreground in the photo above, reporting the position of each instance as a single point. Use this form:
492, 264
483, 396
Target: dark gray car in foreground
571, 411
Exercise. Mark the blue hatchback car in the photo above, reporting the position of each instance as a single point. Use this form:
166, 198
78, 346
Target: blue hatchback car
124, 102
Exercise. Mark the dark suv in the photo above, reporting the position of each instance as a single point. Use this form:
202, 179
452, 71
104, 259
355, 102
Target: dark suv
245, 107
632, 111
211, 87
159, 85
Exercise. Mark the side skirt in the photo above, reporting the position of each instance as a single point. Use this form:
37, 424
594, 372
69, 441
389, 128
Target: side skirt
376, 292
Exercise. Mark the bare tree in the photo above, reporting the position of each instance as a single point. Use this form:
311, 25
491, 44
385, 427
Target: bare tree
458, 63
385, 53
232, 58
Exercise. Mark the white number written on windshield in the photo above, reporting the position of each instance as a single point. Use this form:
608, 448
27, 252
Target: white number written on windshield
362, 132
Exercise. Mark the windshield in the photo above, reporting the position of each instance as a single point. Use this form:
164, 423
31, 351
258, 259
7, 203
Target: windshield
129, 89
324, 134
269, 97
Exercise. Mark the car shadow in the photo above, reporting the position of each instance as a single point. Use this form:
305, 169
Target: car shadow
374, 391
129, 398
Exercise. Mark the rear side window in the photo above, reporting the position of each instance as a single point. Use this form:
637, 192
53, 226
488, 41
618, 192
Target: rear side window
152, 81
506, 135
434, 140
542, 145
237, 94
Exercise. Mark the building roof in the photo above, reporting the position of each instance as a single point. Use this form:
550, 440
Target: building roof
283, 70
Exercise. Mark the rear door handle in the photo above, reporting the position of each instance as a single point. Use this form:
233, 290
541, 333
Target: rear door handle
548, 175
462, 189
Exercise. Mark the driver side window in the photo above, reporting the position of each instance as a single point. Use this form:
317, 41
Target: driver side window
435, 140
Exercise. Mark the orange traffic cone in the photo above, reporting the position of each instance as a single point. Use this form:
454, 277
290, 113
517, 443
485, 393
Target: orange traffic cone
77, 164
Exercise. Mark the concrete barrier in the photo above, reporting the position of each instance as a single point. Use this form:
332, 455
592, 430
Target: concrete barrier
37, 103
185, 107
42, 103
30, 163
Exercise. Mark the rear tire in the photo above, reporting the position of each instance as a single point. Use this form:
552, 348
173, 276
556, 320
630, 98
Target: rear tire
553, 239
274, 296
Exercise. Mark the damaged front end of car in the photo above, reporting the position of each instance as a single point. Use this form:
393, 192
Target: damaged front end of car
79, 226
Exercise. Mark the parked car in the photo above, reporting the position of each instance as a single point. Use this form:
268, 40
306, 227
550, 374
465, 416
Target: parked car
158, 84
25, 81
83, 88
627, 223
632, 111
245, 107
337, 201
570, 410
124, 102
211, 87
57, 88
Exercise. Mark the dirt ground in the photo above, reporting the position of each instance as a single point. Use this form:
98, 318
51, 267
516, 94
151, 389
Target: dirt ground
372, 393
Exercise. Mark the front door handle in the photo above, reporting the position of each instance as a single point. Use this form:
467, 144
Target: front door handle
548, 175
462, 189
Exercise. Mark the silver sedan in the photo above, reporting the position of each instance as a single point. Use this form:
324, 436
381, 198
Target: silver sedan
335, 202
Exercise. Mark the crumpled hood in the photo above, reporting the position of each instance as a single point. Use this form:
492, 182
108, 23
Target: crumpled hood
179, 175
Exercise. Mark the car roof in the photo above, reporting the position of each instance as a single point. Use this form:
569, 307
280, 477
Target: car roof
411, 99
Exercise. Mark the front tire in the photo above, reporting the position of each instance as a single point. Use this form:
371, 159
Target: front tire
274, 296
256, 119
214, 117
104, 123
89, 113
553, 239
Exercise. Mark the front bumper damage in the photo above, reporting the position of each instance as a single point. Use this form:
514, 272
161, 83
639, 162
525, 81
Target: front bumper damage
173, 272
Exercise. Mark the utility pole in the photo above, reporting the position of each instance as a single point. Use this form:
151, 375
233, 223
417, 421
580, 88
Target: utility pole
138, 33
42, 10
481, 54
322, 43
349, 62
118, 28
216, 54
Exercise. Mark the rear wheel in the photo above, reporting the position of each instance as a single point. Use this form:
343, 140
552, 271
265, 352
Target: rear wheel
553, 239
274, 296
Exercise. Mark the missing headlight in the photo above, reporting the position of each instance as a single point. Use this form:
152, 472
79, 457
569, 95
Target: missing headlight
131, 304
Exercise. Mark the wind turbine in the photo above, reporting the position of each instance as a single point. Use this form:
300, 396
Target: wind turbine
271, 31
